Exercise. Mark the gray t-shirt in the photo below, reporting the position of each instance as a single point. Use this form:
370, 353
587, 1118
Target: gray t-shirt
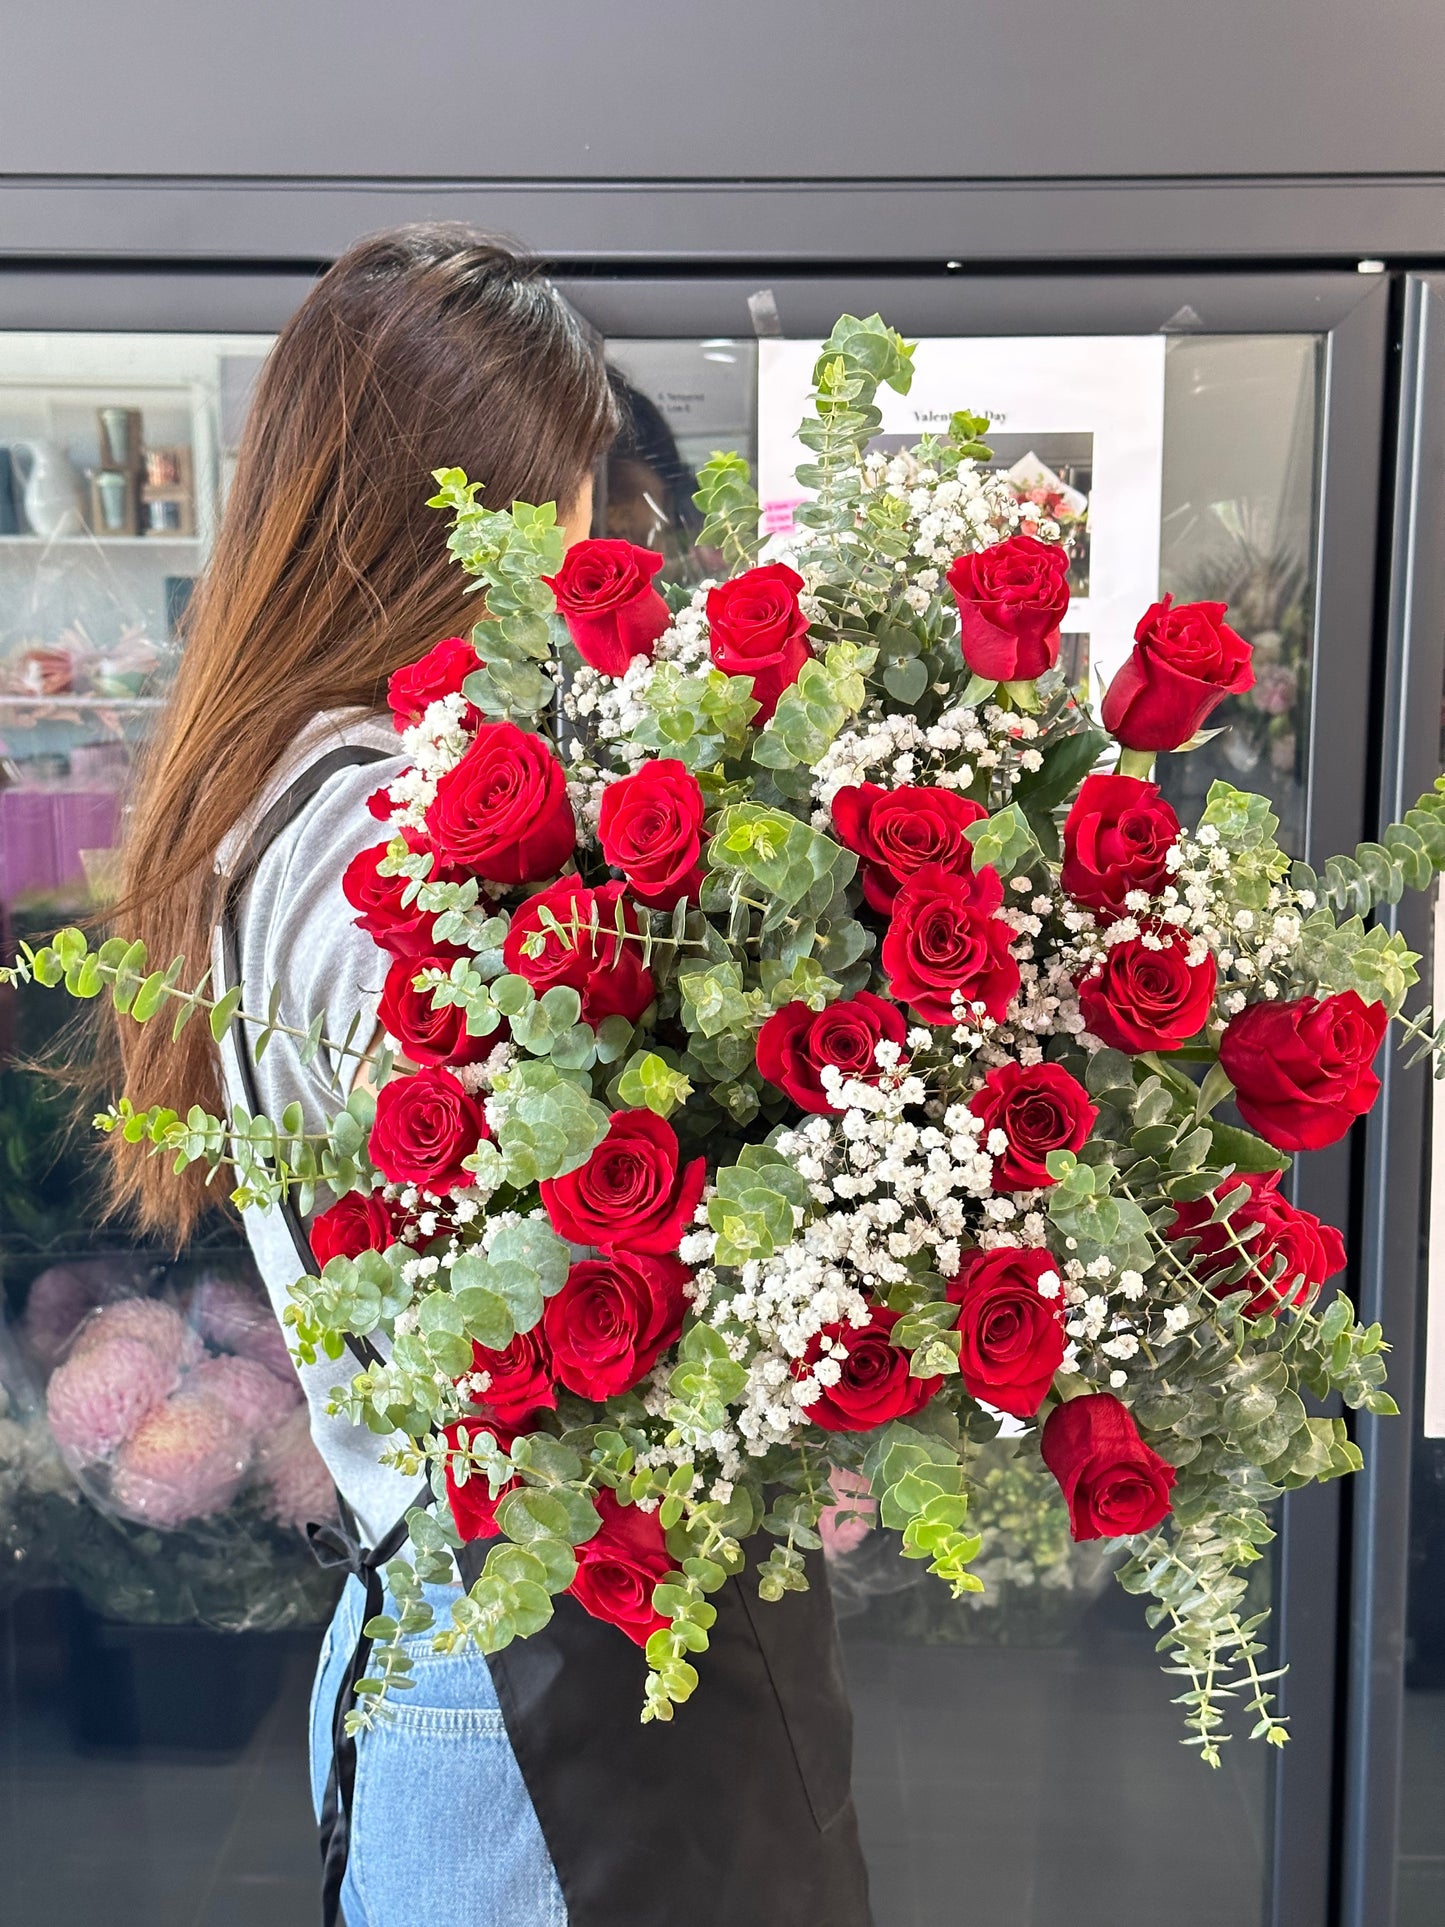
296, 929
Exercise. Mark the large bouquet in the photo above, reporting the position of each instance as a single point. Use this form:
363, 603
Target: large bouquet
815, 1030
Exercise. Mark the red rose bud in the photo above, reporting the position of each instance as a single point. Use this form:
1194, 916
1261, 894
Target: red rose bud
520, 1379
945, 939
1039, 1108
425, 1124
612, 1318
360, 1221
633, 1191
796, 1044
896, 832
1302, 1071
1184, 663
503, 811
1113, 1483
1148, 996
875, 1385
473, 1504
1011, 600
650, 828
411, 689
399, 927
620, 1567
1117, 838
1012, 1337
605, 594
1270, 1228
429, 1033
606, 971
757, 628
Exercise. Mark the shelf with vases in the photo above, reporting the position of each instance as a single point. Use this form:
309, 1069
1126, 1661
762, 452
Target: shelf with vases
87, 541
32, 704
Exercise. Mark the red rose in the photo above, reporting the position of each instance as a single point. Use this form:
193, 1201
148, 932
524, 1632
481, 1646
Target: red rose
650, 828
875, 1385
1013, 1337
796, 1043
606, 971
1039, 1108
758, 629
612, 1318
1116, 839
1011, 599
440, 672
633, 1191
1301, 1071
1149, 998
945, 938
428, 1033
520, 1379
897, 831
360, 1221
503, 811
399, 927
425, 1125
1184, 663
473, 1505
1113, 1483
621, 1566
1312, 1251
605, 594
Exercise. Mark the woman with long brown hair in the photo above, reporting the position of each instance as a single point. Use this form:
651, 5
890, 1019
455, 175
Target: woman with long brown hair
496, 1785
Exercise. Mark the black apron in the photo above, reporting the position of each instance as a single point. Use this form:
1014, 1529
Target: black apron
737, 1813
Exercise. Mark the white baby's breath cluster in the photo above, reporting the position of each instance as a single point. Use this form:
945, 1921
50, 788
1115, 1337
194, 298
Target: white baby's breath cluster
895, 750
948, 515
435, 745
606, 709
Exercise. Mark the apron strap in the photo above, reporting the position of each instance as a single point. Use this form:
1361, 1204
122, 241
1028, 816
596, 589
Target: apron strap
281, 813
340, 1545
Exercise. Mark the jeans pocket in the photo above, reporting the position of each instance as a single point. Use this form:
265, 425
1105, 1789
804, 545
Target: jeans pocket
443, 1827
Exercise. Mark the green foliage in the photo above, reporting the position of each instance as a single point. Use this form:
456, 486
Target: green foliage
507, 551
550, 1123
729, 505
1408, 857
649, 1081
812, 711
698, 719
794, 868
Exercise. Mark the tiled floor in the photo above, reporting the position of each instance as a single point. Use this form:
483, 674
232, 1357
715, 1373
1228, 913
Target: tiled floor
998, 1787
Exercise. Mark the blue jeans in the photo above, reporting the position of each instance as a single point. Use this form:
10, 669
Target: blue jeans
443, 1832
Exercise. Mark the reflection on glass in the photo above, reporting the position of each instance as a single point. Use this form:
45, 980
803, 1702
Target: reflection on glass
1420, 1862
679, 402
1240, 419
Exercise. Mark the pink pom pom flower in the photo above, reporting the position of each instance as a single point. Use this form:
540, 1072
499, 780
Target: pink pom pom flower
97, 1398
185, 1460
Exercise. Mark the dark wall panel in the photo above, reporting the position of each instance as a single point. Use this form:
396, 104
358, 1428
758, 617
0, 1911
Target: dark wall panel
647, 89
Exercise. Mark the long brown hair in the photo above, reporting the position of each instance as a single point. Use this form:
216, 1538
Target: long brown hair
422, 348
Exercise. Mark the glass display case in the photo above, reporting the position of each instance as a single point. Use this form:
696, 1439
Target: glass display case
1014, 1738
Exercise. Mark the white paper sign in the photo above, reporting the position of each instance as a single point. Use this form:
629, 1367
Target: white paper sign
1064, 410
1435, 1278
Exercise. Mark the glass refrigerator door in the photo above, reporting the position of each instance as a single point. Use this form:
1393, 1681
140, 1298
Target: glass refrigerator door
157, 1623
1006, 1740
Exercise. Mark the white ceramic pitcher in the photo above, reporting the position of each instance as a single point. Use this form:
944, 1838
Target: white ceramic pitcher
51, 488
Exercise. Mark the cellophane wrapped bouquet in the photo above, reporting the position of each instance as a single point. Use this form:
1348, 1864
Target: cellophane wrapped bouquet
811, 1045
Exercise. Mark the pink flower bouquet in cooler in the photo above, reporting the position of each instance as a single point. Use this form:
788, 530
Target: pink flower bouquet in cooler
808, 1037
169, 1408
